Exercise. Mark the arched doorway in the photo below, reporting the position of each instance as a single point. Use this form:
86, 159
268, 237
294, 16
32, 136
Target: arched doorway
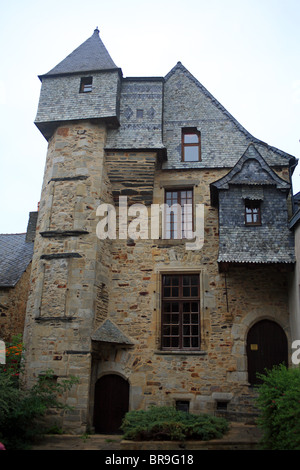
111, 403
266, 346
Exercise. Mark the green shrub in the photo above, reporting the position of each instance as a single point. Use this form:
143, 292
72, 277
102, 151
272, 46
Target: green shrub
21, 409
279, 405
166, 423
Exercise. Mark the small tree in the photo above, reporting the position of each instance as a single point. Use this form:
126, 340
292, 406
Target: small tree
21, 409
279, 405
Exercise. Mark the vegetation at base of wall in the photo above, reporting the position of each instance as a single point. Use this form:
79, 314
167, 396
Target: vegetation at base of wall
166, 423
279, 405
21, 409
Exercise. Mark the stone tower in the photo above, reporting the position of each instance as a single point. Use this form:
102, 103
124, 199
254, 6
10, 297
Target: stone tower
79, 100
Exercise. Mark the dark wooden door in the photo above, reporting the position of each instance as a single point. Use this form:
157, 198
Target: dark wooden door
111, 403
266, 347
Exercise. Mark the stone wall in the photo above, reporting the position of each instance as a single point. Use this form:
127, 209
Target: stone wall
230, 304
13, 301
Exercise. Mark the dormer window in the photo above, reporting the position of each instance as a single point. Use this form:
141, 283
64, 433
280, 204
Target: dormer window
86, 85
191, 145
252, 212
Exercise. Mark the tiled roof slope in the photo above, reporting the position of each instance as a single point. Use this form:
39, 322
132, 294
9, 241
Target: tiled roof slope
15, 256
90, 55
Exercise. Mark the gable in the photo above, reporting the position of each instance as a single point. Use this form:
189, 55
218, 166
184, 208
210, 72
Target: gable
251, 169
187, 103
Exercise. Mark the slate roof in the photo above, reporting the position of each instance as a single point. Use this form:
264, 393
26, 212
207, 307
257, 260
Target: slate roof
272, 242
257, 173
15, 256
108, 332
90, 56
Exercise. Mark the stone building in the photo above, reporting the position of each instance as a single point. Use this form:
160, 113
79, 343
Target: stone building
16, 250
158, 313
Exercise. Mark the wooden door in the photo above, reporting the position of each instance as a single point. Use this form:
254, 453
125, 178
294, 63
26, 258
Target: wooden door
111, 403
266, 347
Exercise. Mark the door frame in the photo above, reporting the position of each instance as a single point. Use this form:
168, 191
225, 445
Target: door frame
101, 376
257, 348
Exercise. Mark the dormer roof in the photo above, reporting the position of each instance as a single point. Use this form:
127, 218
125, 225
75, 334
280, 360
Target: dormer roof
90, 56
250, 170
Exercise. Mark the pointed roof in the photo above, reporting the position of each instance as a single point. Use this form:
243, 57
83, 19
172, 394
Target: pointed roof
90, 56
108, 332
253, 164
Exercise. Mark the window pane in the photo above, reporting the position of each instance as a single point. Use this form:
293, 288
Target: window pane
194, 291
191, 154
194, 330
186, 330
175, 291
167, 292
186, 292
191, 139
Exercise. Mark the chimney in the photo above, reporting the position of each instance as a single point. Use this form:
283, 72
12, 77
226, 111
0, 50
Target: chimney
31, 227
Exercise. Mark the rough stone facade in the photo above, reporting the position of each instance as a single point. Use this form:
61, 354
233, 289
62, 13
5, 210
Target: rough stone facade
95, 304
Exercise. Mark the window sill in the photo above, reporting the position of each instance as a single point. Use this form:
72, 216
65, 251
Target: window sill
180, 353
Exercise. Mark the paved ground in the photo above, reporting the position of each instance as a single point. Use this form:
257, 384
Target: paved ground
240, 436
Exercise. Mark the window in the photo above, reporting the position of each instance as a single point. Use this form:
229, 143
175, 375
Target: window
191, 145
86, 85
252, 212
179, 216
180, 312
182, 405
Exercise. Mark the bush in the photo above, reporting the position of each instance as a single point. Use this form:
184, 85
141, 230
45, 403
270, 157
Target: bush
166, 423
279, 405
21, 409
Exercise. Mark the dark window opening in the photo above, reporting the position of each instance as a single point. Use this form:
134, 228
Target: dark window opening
252, 212
86, 85
222, 405
180, 312
182, 405
191, 145
179, 214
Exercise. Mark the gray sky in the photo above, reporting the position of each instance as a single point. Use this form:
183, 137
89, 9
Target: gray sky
245, 52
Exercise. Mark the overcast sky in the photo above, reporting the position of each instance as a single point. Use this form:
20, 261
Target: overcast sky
245, 52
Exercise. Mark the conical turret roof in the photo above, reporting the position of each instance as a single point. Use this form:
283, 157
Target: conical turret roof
89, 56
